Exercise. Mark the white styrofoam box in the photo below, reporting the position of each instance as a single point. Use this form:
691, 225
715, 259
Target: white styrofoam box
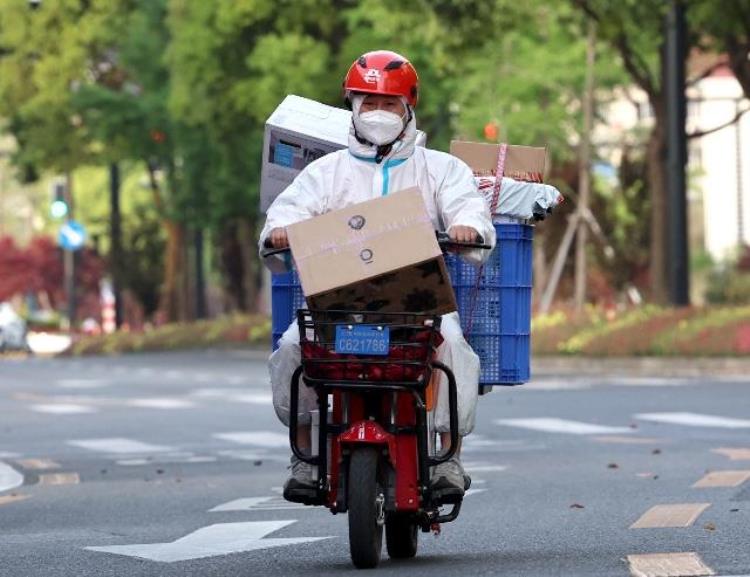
298, 132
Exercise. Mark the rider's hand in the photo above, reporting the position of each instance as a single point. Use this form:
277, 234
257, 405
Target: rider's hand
278, 238
461, 233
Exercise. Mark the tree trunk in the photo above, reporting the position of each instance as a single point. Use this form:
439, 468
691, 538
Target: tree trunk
173, 298
655, 160
249, 254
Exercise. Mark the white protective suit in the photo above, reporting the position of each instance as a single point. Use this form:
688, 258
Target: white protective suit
351, 176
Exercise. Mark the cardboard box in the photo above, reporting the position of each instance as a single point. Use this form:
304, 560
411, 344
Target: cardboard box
298, 132
379, 255
527, 163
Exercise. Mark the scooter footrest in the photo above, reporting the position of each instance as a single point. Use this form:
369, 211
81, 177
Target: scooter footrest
448, 496
303, 494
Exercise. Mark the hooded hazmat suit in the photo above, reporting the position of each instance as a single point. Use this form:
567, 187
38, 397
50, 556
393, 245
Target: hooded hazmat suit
351, 176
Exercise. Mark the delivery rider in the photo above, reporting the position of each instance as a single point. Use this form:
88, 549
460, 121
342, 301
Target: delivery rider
382, 89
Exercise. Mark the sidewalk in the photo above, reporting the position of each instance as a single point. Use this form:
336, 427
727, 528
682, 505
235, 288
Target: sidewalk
641, 366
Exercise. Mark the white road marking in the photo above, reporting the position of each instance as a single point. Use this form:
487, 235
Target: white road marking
556, 385
274, 503
119, 445
553, 425
474, 492
9, 477
233, 395
261, 455
165, 459
695, 420
63, 409
82, 383
212, 541
267, 439
253, 398
482, 467
161, 403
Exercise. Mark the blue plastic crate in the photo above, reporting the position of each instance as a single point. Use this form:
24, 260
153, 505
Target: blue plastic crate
286, 298
496, 317
496, 311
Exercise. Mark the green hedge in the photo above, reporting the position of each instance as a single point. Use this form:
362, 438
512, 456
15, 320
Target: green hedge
648, 330
236, 329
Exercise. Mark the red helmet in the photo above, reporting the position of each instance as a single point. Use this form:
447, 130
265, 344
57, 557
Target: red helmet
382, 72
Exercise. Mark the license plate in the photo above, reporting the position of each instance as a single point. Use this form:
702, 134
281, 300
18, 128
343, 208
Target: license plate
362, 339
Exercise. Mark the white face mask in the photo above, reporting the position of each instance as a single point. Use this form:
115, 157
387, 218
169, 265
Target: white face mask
378, 126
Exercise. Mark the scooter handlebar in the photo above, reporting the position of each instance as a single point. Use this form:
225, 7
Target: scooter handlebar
443, 238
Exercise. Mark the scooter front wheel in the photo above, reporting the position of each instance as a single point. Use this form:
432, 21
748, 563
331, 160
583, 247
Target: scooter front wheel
366, 501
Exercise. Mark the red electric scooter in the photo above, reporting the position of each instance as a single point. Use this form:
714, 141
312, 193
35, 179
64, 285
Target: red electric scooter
374, 375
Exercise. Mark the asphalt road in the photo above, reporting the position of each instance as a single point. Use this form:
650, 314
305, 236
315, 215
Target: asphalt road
170, 465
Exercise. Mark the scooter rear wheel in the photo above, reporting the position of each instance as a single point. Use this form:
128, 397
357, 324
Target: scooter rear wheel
401, 536
366, 508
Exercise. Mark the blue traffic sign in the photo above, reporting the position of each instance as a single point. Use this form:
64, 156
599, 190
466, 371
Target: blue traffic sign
72, 235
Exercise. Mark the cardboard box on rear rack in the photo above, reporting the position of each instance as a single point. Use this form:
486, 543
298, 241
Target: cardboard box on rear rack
298, 132
379, 256
517, 165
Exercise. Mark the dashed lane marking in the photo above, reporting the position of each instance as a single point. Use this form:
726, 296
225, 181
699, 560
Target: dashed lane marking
163, 459
675, 515
267, 439
628, 440
474, 492
723, 479
38, 464
119, 445
161, 403
8, 499
59, 479
274, 503
473, 467
734, 454
553, 425
695, 420
9, 478
63, 409
82, 383
212, 541
668, 565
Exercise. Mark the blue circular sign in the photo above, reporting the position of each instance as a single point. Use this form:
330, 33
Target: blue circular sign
72, 235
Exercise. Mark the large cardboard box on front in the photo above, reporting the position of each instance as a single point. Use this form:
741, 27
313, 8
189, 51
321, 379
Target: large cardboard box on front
380, 255
527, 163
298, 132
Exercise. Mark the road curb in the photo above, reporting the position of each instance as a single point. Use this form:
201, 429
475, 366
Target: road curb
640, 366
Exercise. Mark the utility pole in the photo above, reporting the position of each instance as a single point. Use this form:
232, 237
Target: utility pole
678, 266
115, 230
69, 259
584, 171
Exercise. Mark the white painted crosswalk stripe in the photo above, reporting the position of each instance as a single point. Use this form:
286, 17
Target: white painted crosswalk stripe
267, 439
274, 503
695, 420
554, 425
161, 403
63, 409
119, 445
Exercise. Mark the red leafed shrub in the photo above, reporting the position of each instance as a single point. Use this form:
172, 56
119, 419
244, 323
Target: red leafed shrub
38, 267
